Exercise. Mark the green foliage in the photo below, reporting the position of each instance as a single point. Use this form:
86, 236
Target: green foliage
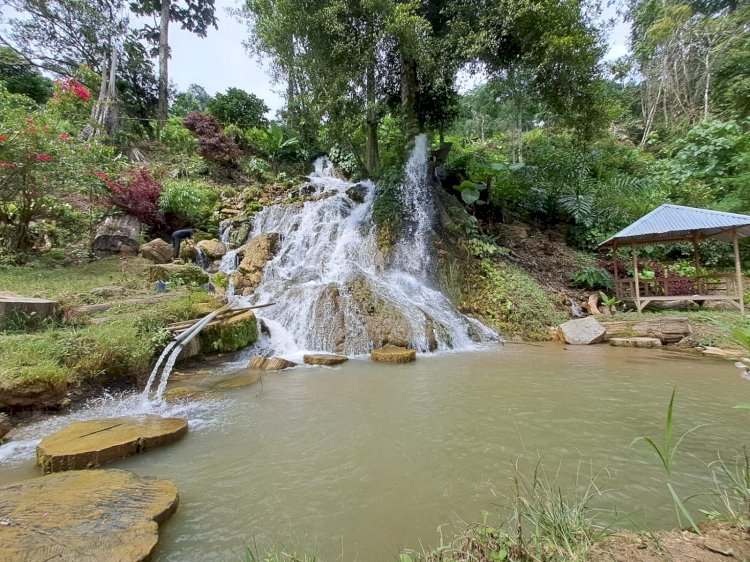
387, 210
470, 192
192, 201
177, 138
237, 107
273, 142
666, 453
41, 159
194, 100
593, 278
19, 77
513, 301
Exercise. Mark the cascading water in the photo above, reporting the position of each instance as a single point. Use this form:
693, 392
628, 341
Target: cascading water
331, 289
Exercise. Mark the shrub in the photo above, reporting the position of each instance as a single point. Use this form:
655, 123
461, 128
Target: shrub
593, 278
140, 198
191, 201
41, 159
213, 144
177, 138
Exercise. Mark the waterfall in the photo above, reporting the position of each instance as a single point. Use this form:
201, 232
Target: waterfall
331, 289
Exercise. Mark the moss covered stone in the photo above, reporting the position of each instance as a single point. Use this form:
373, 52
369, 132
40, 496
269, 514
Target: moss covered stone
231, 334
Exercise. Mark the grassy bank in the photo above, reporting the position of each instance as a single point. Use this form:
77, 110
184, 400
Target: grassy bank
116, 345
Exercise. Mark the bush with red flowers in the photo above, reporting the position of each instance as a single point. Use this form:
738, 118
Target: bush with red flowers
40, 161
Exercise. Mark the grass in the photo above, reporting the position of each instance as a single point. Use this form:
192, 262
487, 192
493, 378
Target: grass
506, 297
121, 343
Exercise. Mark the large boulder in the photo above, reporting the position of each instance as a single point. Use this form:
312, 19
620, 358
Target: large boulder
185, 274
117, 235
214, 249
84, 516
157, 251
92, 443
581, 331
188, 252
255, 255
231, 334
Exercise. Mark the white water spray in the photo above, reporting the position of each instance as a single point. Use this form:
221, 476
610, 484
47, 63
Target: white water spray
329, 281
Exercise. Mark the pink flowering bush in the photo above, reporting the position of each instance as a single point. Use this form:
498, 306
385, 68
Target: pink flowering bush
42, 161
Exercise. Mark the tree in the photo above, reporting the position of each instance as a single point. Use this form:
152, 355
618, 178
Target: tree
194, 100
238, 107
59, 36
195, 16
20, 77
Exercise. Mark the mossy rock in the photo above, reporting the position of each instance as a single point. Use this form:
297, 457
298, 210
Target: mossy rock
231, 334
239, 236
188, 274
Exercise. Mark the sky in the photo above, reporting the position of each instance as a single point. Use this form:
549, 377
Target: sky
219, 61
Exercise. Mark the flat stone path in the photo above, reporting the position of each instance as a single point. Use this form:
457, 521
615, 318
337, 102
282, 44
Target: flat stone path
84, 516
92, 443
328, 359
393, 355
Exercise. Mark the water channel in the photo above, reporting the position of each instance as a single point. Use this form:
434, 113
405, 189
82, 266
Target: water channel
364, 459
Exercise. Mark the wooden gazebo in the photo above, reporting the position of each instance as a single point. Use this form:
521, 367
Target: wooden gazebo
677, 224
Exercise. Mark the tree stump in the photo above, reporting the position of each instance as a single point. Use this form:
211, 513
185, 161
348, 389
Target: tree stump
117, 235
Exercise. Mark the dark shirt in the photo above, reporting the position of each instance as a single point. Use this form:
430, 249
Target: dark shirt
182, 234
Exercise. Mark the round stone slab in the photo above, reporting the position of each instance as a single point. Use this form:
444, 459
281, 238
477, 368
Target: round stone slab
327, 359
84, 516
91, 443
393, 355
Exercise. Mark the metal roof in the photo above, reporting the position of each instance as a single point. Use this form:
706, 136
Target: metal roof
675, 223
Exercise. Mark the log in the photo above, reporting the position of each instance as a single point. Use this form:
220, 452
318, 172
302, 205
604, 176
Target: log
117, 235
668, 329
593, 304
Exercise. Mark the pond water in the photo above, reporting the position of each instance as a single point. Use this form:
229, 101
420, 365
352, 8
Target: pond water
364, 458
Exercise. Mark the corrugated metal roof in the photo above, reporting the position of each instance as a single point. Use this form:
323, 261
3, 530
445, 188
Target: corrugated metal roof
675, 223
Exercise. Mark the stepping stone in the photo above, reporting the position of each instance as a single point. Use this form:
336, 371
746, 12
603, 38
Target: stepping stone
635, 342
272, 364
185, 393
92, 443
84, 516
238, 380
327, 359
393, 355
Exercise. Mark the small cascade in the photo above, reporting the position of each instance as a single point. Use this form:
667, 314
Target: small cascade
331, 289
175, 347
412, 253
201, 259
225, 230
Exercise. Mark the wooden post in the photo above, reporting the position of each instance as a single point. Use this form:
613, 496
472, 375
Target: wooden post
738, 271
696, 258
614, 259
637, 283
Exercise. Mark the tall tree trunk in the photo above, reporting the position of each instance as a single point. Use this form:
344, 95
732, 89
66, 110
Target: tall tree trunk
164, 64
372, 156
409, 95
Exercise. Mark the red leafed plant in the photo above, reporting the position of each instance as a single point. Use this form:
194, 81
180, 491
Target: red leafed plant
140, 197
213, 144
